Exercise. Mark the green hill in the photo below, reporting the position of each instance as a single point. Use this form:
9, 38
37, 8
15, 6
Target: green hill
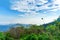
49, 31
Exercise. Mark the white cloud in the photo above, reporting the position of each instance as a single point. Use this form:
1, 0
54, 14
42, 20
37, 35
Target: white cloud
56, 2
36, 20
27, 5
30, 8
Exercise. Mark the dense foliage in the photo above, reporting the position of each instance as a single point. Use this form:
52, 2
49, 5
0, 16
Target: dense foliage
34, 32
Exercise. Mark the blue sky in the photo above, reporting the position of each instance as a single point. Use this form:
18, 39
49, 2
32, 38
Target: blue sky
29, 11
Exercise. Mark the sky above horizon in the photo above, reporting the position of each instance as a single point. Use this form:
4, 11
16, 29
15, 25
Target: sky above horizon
29, 11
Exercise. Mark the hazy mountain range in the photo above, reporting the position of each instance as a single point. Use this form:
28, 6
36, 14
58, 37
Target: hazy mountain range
7, 27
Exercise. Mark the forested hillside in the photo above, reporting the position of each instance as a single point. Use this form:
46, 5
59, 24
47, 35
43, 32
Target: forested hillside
34, 32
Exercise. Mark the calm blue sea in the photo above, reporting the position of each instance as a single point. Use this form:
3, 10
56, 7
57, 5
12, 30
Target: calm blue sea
4, 28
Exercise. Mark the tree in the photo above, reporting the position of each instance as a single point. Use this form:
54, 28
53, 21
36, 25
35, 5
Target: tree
2, 36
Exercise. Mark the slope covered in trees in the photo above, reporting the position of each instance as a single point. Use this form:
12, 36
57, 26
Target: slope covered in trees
49, 32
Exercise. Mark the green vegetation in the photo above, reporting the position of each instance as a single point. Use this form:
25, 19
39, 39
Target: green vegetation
34, 32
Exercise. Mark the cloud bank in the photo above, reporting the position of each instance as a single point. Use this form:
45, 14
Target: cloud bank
34, 8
